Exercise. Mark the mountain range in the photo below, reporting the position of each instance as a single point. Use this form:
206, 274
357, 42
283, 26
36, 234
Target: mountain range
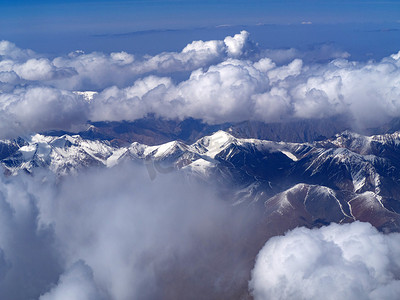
339, 179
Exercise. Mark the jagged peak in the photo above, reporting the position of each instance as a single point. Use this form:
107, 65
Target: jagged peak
164, 149
388, 137
353, 141
220, 137
350, 135
213, 144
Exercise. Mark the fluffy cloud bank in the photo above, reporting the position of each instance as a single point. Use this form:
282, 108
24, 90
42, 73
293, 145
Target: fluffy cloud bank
80, 71
33, 109
230, 80
238, 90
352, 261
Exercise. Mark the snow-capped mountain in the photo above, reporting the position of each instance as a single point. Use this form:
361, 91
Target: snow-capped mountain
345, 178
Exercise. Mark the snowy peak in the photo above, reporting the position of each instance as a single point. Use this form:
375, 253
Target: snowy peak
62, 155
87, 95
315, 205
355, 142
351, 162
165, 150
341, 179
317, 201
214, 144
365, 145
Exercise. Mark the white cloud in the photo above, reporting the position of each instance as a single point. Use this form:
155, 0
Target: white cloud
76, 283
281, 73
122, 58
97, 70
220, 94
227, 83
114, 104
80, 71
264, 64
9, 50
236, 45
273, 105
35, 69
396, 56
28, 66
40, 108
237, 90
214, 48
352, 261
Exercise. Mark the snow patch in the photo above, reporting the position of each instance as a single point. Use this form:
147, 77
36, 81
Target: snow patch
87, 95
290, 155
113, 159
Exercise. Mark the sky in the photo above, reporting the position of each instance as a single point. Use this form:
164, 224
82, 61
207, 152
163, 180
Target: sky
56, 27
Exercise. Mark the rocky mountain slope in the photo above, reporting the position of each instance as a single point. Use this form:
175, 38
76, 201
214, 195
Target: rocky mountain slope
345, 178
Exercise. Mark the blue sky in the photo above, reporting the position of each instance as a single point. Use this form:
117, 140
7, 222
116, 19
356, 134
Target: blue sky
62, 26
151, 14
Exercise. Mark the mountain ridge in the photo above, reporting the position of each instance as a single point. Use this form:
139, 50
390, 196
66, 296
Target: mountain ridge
362, 170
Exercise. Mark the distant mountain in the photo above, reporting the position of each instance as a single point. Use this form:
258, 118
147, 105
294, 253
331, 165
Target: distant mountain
155, 131
150, 131
292, 131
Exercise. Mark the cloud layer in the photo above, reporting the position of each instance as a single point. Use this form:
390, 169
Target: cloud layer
125, 238
225, 81
237, 90
352, 261
81, 71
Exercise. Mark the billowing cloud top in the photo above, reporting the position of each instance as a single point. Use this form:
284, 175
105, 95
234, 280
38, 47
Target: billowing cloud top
230, 80
352, 261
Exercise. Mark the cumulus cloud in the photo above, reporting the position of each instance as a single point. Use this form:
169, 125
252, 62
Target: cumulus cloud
10, 51
352, 261
25, 65
283, 72
122, 58
34, 109
114, 104
80, 71
222, 93
35, 69
237, 90
230, 80
99, 70
238, 44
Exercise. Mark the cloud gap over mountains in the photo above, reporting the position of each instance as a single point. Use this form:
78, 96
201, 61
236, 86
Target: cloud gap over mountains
228, 80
